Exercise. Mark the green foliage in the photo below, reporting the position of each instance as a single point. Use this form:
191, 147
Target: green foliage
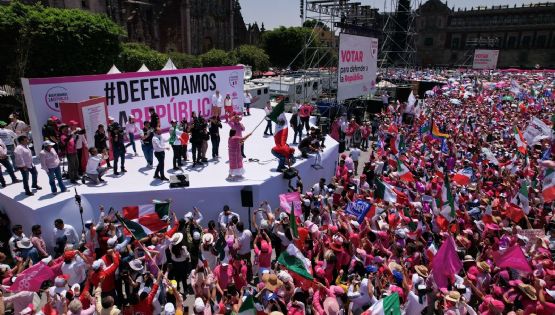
283, 44
253, 56
181, 60
37, 41
218, 57
133, 55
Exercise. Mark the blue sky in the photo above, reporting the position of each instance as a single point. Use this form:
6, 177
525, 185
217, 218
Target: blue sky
286, 12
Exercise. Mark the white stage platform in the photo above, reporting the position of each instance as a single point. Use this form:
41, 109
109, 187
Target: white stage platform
209, 189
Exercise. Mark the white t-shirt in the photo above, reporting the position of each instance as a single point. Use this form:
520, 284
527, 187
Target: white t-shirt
244, 240
76, 270
355, 154
93, 163
413, 306
69, 232
248, 98
217, 101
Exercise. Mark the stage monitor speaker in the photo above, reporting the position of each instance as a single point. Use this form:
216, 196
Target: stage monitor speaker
179, 180
246, 198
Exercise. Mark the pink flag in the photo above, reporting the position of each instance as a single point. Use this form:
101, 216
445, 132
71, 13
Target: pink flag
285, 201
32, 278
512, 258
446, 263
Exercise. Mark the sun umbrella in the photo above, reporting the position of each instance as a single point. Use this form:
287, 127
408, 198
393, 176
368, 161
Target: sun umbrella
269, 73
508, 98
455, 101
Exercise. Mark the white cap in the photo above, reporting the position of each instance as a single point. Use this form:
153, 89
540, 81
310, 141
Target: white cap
97, 264
188, 216
199, 305
46, 260
112, 241
169, 309
196, 235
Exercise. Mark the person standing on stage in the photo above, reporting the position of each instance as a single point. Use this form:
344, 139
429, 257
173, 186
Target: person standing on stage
50, 162
101, 143
217, 104
81, 145
118, 146
228, 107
268, 110
154, 118
159, 148
68, 140
18, 126
184, 138
24, 163
304, 113
146, 143
238, 126
5, 161
9, 137
297, 126
248, 100
196, 139
214, 129
205, 138
131, 130
175, 142
234, 145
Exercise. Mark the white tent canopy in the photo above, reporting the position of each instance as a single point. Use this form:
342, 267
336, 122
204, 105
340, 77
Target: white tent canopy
114, 70
169, 65
385, 84
143, 69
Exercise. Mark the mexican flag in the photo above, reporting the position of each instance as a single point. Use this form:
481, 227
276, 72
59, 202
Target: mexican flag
278, 117
247, 308
520, 142
387, 306
548, 183
521, 198
463, 176
404, 173
385, 192
294, 264
137, 230
152, 216
397, 144
447, 212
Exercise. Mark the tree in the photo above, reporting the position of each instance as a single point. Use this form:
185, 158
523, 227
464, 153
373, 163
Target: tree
253, 56
284, 45
133, 55
217, 57
37, 41
181, 60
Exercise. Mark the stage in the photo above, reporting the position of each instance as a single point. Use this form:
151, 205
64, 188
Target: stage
209, 188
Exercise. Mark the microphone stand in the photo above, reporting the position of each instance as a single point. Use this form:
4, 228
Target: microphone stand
78, 201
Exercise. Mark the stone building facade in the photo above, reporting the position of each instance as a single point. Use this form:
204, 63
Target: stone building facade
189, 26
524, 35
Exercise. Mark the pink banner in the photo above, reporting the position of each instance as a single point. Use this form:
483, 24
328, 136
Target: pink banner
446, 263
32, 278
285, 201
512, 258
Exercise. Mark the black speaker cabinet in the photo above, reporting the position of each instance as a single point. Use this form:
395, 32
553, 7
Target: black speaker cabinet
246, 198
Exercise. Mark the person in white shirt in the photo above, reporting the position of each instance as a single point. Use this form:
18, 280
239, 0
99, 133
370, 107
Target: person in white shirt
131, 129
19, 127
17, 235
50, 162
75, 267
9, 137
355, 155
159, 148
217, 104
225, 217
6, 163
64, 234
94, 171
24, 163
248, 100
244, 238
175, 142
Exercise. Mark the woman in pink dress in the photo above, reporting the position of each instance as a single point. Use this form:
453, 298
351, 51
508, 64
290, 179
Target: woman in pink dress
236, 170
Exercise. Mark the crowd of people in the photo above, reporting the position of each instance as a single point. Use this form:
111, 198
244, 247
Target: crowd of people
452, 213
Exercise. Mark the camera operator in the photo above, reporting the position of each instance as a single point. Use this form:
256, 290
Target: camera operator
117, 135
68, 140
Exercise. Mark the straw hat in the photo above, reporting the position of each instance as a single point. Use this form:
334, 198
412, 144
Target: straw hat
136, 265
468, 258
422, 270
24, 243
395, 266
453, 296
529, 290
208, 239
271, 281
484, 266
177, 238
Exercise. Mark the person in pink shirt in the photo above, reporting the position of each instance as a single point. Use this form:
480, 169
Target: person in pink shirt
38, 241
50, 162
68, 140
224, 275
263, 252
341, 170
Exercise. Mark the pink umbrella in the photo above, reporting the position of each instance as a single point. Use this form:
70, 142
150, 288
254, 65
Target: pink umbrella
269, 73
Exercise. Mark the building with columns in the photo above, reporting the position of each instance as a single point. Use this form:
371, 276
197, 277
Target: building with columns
523, 34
